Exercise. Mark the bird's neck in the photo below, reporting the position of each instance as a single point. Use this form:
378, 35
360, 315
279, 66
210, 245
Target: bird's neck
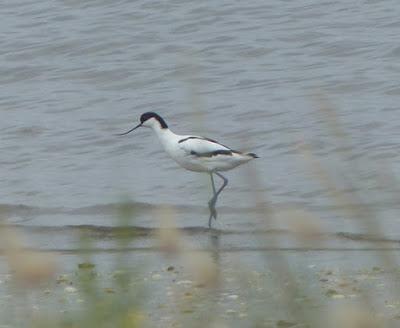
166, 136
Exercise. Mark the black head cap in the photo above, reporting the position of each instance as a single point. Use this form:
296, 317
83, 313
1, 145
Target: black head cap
149, 115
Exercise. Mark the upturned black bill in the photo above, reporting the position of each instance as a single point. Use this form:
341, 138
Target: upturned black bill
137, 126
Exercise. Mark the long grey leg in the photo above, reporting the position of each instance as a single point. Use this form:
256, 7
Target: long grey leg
211, 203
213, 200
213, 184
223, 185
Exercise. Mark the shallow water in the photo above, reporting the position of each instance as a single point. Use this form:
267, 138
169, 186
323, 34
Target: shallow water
253, 76
250, 75
249, 292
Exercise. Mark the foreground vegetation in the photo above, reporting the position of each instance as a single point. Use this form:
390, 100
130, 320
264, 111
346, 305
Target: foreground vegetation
306, 285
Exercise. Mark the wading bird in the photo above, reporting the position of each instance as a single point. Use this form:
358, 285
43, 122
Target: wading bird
196, 153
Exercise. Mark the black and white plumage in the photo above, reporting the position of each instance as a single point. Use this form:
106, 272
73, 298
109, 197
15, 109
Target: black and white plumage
207, 155
196, 153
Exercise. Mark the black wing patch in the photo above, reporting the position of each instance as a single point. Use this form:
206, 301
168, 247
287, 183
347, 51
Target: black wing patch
203, 138
228, 151
213, 153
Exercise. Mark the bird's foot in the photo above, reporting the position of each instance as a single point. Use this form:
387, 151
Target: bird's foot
209, 221
213, 211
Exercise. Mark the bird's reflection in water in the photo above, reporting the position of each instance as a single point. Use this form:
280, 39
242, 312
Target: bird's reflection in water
214, 236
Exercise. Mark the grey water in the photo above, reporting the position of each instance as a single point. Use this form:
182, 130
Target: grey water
251, 75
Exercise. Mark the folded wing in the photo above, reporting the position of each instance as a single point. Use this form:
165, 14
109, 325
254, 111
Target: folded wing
203, 147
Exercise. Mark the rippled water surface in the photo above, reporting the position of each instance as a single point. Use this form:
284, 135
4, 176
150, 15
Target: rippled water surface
75, 73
